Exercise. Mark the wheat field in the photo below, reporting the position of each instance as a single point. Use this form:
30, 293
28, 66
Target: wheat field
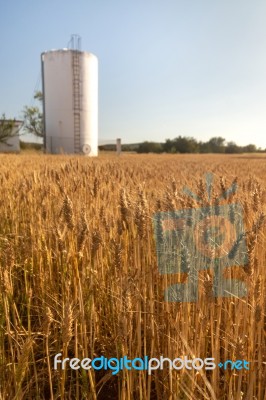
79, 276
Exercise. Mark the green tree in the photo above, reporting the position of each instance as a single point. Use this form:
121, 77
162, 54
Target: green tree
184, 144
7, 129
168, 146
250, 148
150, 147
33, 117
217, 144
233, 148
181, 144
204, 147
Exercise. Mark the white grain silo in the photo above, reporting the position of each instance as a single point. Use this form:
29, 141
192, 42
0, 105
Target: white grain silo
70, 90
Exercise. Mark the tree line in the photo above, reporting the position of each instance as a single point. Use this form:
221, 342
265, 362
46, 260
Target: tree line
183, 144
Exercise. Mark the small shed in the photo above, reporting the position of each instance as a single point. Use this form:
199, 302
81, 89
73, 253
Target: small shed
9, 136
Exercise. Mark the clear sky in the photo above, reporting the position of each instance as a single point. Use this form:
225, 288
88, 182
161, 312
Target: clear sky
166, 67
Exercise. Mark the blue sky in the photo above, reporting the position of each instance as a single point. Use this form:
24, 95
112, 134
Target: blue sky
166, 68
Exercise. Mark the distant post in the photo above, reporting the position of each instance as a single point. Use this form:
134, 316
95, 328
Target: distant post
118, 146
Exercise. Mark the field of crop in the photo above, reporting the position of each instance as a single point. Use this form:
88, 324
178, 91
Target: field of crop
79, 276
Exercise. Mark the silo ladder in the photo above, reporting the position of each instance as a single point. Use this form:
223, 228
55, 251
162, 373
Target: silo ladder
76, 99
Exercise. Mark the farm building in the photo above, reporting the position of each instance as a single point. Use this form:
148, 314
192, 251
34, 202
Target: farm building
9, 136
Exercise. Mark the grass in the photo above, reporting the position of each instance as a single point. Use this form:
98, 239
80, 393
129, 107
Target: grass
79, 275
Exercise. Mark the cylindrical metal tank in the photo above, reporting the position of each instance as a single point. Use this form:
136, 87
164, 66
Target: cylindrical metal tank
70, 105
